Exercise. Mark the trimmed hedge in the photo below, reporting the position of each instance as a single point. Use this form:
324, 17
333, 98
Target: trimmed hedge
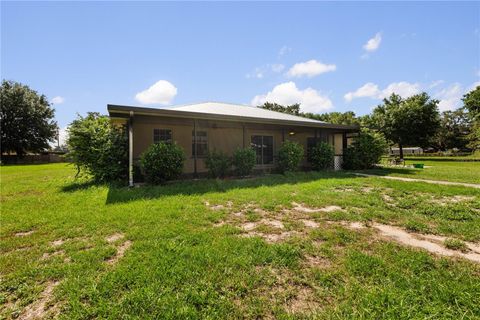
218, 164
162, 162
244, 160
321, 156
289, 156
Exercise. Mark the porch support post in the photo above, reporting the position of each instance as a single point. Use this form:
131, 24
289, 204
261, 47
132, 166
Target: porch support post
130, 150
243, 136
195, 147
283, 135
344, 141
316, 136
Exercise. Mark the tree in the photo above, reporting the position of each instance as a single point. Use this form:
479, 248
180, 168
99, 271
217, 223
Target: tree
454, 130
98, 147
471, 102
413, 121
346, 118
26, 119
291, 109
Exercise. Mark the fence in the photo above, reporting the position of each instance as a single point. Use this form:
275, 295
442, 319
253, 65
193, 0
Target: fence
33, 158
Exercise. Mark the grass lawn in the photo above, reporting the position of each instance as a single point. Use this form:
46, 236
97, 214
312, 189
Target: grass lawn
253, 248
456, 171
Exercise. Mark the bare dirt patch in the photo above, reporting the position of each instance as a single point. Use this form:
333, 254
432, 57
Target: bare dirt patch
310, 223
114, 237
301, 208
48, 255
218, 206
120, 252
57, 243
449, 200
24, 233
426, 242
40, 309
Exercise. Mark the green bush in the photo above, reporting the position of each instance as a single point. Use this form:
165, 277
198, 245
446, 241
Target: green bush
365, 151
321, 156
217, 164
289, 156
98, 148
244, 160
162, 162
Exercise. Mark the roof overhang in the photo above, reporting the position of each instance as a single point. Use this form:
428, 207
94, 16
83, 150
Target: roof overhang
119, 111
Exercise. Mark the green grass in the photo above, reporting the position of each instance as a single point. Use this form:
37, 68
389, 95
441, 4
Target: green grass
468, 172
181, 265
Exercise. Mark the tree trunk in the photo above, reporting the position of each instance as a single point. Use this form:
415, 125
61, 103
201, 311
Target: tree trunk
401, 151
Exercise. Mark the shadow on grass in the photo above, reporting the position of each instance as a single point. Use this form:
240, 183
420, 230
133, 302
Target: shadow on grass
79, 185
203, 186
385, 171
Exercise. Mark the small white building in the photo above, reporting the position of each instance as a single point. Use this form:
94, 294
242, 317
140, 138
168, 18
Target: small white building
406, 151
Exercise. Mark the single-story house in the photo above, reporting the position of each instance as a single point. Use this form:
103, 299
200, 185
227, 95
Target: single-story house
406, 151
198, 128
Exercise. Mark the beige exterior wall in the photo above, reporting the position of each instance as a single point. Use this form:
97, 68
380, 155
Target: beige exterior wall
225, 136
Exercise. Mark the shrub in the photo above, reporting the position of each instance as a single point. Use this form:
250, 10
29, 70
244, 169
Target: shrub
217, 164
98, 148
244, 160
289, 156
366, 150
321, 156
162, 162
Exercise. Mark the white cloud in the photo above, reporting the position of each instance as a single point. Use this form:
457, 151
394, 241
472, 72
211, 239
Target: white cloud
436, 83
310, 69
162, 92
371, 90
450, 97
402, 88
284, 50
287, 93
472, 86
373, 43
57, 100
257, 73
277, 67
367, 90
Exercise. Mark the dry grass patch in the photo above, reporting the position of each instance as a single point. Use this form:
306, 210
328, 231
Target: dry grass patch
40, 308
24, 233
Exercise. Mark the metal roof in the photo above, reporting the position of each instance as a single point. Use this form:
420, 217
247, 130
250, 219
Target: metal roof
227, 111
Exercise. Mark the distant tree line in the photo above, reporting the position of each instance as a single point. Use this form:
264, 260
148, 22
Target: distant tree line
413, 121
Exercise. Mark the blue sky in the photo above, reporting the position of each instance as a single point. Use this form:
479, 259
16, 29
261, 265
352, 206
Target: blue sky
327, 56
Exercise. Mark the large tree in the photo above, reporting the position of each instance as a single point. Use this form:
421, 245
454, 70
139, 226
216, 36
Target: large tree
26, 117
471, 103
347, 118
291, 109
413, 121
454, 129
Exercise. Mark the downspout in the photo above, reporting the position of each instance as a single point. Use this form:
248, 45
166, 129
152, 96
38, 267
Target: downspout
195, 147
130, 150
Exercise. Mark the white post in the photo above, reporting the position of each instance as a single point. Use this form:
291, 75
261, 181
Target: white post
130, 150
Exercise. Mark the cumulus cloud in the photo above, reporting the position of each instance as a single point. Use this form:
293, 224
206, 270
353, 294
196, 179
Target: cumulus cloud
57, 100
287, 93
371, 90
374, 43
161, 92
310, 69
450, 97
402, 88
367, 90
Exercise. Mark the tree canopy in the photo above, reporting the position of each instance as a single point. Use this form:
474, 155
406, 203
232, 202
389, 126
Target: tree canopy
471, 102
26, 119
412, 121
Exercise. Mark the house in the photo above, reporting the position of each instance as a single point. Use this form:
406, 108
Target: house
406, 151
198, 128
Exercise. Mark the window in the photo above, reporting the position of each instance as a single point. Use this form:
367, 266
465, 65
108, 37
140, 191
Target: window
202, 143
162, 135
263, 146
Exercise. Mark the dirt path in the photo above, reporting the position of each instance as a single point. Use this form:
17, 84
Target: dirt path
471, 185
